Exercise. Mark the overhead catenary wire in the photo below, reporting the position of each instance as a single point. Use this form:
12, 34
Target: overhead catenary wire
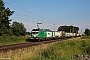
24, 19
34, 14
33, 18
31, 21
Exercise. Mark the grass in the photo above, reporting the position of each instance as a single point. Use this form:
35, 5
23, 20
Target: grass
25, 53
11, 39
85, 37
62, 50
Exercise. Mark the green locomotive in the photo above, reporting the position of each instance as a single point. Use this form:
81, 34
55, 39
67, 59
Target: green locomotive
42, 34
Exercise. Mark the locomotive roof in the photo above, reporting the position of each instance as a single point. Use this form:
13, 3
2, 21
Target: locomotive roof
46, 29
41, 29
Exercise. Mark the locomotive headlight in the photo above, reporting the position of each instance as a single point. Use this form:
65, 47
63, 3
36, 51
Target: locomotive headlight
34, 35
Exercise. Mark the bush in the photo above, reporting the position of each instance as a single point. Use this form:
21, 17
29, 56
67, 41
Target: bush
11, 39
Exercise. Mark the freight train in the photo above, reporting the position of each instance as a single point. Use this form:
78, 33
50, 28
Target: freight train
47, 34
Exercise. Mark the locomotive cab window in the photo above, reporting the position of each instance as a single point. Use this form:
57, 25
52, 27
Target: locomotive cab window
34, 32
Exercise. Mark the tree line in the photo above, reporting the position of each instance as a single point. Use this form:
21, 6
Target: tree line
87, 32
73, 29
69, 29
16, 28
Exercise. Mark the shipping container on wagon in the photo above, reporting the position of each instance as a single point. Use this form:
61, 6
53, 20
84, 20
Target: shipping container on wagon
62, 34
57, 34
71, 34
68, 34
75, 34
79, 34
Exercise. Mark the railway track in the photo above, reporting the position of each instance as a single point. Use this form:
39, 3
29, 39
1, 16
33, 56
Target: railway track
5, 48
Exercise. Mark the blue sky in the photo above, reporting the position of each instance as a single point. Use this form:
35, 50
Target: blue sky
50, 12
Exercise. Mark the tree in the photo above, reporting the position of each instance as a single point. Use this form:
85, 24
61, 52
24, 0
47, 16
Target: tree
5, 13
28, 33
18, 29
87, 32
69, 29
